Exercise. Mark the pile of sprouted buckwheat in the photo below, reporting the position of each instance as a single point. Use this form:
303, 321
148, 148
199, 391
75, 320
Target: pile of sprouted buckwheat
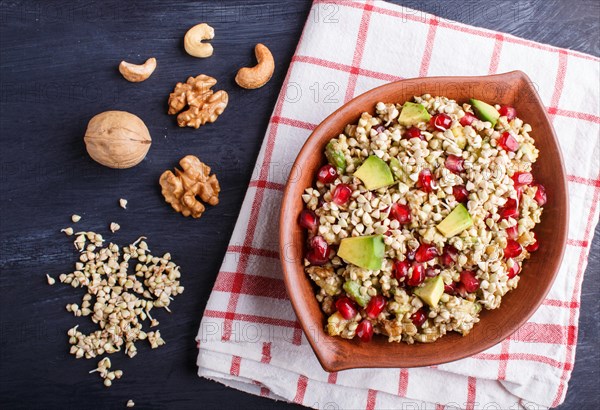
123, 285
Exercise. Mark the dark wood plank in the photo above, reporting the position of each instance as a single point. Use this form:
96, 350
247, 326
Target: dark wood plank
58, 68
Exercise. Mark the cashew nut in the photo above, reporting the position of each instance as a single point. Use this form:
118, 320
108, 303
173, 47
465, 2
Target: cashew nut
137, 73
260, 74
193, 40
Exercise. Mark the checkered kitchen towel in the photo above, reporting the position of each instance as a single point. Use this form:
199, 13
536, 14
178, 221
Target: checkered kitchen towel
250, 339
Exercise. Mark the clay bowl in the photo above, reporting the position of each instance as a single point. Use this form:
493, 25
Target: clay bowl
537, 276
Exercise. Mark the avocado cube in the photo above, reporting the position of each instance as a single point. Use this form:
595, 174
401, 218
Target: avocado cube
364, 251
336, 157
431, 291
398, 172
336, 324
485, 112
457, 221
374, 173
460, 138
352, 288
413, 113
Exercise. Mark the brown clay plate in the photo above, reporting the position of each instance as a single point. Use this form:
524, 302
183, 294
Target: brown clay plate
537, 276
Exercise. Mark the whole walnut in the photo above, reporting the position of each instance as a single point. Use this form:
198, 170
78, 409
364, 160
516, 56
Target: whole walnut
117, 139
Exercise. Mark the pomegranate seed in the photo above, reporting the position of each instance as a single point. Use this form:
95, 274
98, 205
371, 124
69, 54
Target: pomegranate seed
426, 182
327, 174
455, 164
308, 220
346, 307
318, 251
400, 269
426, 252
413, 132
342, 194
418, 318
380, 129
540, 195
506, 213
509, 210
450, 289
514, 270
375, 306
522, 178
508, 142
460, 193
513, 232
460, 290
432, 272
507, 111
410, 255
318, 244
418, 275
400, 213
469, 281
441, 122
364, 331
534, 246
449, 255
467, 119
314, 258
519, 190
513, 249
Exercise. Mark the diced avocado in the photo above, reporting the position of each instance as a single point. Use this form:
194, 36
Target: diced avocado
530, 152
413, 113
352, 288
457, 221
398, 172
431, 291
459, 135
336, 324
485, 112
335, 156
364, 251
374, 173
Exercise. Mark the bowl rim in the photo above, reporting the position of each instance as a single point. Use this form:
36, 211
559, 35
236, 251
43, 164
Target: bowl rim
338, 364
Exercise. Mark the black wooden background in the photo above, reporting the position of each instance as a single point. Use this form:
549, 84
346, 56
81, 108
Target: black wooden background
59, 68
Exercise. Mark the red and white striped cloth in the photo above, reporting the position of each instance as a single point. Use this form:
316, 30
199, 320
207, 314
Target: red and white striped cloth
249, 337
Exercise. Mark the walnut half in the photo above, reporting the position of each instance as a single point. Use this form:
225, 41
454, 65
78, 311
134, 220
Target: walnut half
182, 188
203, 104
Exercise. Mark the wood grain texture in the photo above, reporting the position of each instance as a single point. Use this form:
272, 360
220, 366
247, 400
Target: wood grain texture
58, 64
